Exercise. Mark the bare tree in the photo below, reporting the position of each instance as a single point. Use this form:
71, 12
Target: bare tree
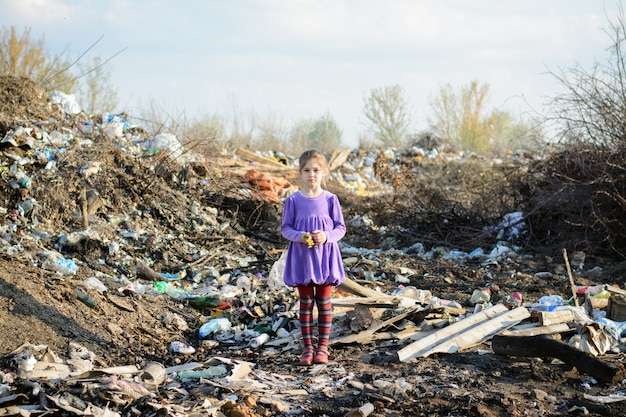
592, 109
321, 133
23, 56
386, 110
96, 92
460, 118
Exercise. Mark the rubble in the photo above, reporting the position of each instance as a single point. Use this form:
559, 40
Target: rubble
137, 278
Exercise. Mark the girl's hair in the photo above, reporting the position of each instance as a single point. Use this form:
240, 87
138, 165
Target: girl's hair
313, 154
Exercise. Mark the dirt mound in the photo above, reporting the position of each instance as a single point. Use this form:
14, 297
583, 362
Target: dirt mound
22, 101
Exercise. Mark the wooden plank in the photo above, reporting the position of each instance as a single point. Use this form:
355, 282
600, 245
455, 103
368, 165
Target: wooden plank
479, 333
547, 318
545, 346
616, 290
353, 287
338, 158
371, 302
251, 156
537, 330
412, 351
367, 336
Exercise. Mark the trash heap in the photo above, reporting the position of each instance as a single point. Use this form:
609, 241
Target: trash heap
142, 279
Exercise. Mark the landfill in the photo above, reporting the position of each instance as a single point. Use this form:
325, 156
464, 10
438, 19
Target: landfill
139, 278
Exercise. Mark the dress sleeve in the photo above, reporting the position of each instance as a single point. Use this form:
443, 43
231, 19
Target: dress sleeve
339, 226
288, 223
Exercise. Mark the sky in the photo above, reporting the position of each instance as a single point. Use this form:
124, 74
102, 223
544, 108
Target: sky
291, 60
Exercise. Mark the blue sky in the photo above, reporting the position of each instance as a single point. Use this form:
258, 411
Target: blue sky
290, 60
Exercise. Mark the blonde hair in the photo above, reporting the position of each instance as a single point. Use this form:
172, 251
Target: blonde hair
313, 154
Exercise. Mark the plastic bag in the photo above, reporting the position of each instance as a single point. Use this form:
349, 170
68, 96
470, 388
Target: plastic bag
275, 278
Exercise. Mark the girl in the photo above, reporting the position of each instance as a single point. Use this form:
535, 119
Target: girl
313, 224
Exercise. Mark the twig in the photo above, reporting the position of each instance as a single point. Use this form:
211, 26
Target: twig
571, 278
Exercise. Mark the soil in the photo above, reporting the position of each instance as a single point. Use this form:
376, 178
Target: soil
151, 213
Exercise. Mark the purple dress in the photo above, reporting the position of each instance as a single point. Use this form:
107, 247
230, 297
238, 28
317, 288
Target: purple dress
321, 264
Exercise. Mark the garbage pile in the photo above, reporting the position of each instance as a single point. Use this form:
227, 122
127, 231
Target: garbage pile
141, 279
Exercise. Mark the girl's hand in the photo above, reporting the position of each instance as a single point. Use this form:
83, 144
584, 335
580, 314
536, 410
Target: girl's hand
319, 237
306, 238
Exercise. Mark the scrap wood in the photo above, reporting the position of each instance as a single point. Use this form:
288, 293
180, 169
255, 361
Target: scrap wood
537, 330
338, 158
371, 302
547, 318
251, 156
571, 278
353, 287
147, 273
546, 346
497, 318
616, 290
477, 334
367, 336
406, 353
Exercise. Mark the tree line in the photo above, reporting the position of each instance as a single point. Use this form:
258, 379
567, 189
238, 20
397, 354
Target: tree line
460, 119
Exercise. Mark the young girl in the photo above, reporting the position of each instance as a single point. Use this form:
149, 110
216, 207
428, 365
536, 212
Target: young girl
313, 223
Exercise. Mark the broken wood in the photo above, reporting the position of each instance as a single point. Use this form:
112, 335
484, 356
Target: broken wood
251, 156
145, 272
616, 309
615, 290
546, 346
547, 318
479, 333
84, 208
381, 301
338, 158
353, 287
571, 278
367, 336
424, 345
537, 330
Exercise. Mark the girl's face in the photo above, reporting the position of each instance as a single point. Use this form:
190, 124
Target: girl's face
312, 174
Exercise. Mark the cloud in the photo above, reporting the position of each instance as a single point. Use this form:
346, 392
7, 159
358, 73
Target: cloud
39, 11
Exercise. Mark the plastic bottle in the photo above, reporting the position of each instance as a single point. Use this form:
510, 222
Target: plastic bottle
61, 265
165, 287
202, 301
551, 300
213, 326
548, 303
259, 340
87, 300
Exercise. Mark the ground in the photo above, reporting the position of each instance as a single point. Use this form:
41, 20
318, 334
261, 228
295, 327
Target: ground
147, 205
